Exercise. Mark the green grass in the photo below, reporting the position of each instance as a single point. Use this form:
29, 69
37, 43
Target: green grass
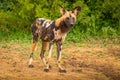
3, 45
81, 39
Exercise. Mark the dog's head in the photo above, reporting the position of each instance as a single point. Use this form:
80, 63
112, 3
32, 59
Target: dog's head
69, 17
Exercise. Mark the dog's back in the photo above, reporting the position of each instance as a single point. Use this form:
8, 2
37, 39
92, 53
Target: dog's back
43, 28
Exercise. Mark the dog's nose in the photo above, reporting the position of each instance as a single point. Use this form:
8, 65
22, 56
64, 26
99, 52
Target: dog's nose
71, 25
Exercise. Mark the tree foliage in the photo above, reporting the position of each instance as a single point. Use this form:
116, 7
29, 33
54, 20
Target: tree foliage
97, 17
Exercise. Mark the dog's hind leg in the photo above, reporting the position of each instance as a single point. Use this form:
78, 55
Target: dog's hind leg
44, 48
34, 47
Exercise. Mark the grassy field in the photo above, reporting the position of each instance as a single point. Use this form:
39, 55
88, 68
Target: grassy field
83, 61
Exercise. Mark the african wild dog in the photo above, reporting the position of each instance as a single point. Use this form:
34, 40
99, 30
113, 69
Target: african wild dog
52, 32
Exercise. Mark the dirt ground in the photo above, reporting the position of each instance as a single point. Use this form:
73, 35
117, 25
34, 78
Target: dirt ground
88, 62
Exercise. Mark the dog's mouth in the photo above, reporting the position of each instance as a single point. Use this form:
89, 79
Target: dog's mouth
71, 25
67, 25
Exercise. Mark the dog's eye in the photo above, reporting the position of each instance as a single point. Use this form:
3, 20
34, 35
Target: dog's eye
73, 18
67, 18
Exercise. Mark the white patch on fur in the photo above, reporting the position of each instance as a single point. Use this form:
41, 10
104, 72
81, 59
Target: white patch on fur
30, 62
44, 23
47, 23
41, 19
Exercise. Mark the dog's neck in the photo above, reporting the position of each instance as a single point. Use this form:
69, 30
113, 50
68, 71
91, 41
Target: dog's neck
60, 24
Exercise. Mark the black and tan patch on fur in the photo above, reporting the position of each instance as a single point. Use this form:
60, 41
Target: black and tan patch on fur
52, 31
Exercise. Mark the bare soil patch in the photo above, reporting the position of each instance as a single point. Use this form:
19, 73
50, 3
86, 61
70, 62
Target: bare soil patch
81, 63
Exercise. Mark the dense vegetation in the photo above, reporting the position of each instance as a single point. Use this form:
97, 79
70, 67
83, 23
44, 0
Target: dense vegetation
97, 19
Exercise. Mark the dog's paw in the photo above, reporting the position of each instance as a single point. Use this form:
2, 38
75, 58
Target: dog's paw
50, 66
31, 66
46, 70
62, 71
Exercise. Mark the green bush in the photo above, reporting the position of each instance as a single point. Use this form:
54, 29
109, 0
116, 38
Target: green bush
97, 18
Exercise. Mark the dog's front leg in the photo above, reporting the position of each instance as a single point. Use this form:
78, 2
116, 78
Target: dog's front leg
49, 55
59, 48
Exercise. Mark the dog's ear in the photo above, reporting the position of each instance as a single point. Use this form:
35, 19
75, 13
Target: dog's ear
62, 10
76, 10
